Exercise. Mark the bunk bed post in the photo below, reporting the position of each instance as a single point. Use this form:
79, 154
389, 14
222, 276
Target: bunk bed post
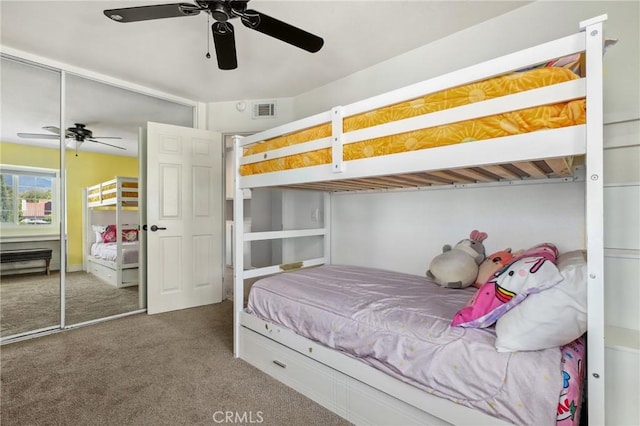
238, 246
327, 226
119, 204
593, 29
86, 230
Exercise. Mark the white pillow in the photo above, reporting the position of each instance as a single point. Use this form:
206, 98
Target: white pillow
553, 317
98, 230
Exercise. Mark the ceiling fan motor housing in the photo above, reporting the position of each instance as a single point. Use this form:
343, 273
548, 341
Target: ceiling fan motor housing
219, 12
80, 132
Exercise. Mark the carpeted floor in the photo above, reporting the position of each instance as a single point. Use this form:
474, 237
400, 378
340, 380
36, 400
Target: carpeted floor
32, 301
175, 368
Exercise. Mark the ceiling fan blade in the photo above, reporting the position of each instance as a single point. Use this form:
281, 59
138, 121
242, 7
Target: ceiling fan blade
108, 144
37, 136
106, 137
225, 44
282, 31
52, 129
145, 13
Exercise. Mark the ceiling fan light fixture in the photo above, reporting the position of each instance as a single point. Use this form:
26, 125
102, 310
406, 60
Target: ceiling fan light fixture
219, 12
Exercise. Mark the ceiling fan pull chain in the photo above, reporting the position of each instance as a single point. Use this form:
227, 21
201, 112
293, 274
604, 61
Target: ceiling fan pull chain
208, 55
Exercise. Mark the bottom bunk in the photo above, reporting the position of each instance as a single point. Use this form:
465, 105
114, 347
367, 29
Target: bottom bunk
104, 263
377, 347
295, 363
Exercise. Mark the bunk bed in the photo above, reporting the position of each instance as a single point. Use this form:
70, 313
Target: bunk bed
111, 228
318, 153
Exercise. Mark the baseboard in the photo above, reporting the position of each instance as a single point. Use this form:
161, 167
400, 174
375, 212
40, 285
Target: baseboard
75, 268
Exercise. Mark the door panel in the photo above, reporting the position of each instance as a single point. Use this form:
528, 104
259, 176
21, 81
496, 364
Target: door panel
185, 203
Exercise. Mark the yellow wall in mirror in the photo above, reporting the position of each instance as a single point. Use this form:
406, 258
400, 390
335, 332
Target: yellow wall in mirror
84, 170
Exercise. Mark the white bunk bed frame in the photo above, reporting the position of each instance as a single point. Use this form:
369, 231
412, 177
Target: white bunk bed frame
111, 194
344, 385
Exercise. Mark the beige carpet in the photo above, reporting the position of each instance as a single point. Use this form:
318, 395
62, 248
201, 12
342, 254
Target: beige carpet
169, 369
32, 301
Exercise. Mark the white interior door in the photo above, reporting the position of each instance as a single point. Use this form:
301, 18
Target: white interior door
184, 217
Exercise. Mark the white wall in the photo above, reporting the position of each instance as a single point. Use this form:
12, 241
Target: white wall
224, 117
403, 231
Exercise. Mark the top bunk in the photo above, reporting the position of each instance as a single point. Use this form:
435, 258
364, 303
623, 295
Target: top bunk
121, 191
518, 117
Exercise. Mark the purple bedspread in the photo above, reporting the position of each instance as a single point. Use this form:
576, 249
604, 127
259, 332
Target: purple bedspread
109, 251
400, 324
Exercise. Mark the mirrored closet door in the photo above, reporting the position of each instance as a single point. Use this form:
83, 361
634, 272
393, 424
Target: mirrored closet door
30, 198
94, 186
105, 251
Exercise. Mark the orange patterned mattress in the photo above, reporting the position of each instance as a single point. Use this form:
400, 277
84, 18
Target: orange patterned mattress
94, 195
506, 124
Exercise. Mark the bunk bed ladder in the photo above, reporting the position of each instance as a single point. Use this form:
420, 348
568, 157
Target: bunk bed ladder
241, 271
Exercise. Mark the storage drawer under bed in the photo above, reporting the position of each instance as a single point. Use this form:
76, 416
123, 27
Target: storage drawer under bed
340, 393
110, 275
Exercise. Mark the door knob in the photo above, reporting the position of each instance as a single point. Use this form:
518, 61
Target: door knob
155, 228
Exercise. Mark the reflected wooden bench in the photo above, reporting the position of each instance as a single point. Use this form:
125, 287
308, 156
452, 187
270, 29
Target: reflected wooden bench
27, 254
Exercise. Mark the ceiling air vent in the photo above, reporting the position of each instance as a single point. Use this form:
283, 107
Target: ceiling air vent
264, 110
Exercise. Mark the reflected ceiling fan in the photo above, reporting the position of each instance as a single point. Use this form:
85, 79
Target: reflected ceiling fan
79, 133
222, 11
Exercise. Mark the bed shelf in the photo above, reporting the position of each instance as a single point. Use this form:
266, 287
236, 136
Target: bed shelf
624, 339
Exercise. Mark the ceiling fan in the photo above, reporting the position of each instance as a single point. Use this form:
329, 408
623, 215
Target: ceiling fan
223, 32
79, 133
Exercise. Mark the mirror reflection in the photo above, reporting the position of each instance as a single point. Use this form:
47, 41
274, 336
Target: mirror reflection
102, 196
29, 199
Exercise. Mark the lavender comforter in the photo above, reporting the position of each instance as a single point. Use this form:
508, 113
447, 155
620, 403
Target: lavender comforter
400, 324
109, 251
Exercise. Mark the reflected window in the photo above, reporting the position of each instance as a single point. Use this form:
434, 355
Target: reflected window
28, 198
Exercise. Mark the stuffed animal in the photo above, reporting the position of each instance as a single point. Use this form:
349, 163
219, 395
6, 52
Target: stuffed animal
492, 264
458, 267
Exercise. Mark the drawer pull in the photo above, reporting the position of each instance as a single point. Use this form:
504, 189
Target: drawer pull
280, 364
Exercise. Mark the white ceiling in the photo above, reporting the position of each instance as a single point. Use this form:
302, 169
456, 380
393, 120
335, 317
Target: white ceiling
168, 55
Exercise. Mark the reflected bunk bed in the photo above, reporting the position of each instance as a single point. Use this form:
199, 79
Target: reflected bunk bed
111, 243
355, 148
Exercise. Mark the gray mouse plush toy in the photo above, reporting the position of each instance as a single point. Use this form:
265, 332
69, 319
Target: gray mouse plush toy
458, 267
